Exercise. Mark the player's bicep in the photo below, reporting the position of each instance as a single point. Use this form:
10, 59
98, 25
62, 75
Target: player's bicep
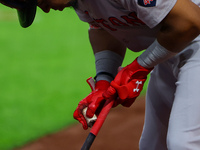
180, 26
101, 40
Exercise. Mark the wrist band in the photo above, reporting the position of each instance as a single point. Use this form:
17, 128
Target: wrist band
154, 55
104, 73
107, 63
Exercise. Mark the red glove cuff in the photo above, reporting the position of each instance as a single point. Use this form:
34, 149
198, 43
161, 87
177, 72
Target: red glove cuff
102, 85
138, 68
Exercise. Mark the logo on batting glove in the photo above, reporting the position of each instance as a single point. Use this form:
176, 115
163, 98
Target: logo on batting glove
137, 88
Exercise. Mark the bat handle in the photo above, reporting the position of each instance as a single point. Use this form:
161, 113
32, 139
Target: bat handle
102, 116
97, 125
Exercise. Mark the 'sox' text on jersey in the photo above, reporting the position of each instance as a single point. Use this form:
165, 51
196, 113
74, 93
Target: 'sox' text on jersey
126, 20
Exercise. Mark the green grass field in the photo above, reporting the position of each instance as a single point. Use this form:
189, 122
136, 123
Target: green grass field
43, 70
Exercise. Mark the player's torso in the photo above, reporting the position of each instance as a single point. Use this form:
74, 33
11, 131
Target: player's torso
120, 22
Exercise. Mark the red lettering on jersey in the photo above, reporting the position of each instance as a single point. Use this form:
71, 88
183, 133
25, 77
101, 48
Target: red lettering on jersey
103, 22
133, 19
146, 2
117, 22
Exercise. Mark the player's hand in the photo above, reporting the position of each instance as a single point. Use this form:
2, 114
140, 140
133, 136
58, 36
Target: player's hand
94, 101
127, 85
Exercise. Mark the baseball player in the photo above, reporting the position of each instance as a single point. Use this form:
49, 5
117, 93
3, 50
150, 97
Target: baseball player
168, 31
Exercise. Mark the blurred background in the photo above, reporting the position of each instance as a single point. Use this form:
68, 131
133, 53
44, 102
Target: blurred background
43, 69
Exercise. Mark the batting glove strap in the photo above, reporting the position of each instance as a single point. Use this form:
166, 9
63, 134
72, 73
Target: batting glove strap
130, 90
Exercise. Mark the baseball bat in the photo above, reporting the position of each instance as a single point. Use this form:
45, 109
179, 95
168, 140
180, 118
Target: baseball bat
97, 125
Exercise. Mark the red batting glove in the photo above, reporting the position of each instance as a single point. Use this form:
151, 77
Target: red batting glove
94, 101
128, 84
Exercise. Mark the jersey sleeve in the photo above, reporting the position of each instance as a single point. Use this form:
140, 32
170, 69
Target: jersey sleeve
151, 12
83, 16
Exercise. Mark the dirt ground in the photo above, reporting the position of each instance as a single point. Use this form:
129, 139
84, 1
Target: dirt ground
120, 131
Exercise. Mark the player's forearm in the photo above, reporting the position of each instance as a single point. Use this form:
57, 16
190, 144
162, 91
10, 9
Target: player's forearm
109, 54
101, 40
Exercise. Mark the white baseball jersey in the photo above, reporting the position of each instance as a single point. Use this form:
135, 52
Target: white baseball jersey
134, 22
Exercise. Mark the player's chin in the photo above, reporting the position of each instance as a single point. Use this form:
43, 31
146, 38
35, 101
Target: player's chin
45, 8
